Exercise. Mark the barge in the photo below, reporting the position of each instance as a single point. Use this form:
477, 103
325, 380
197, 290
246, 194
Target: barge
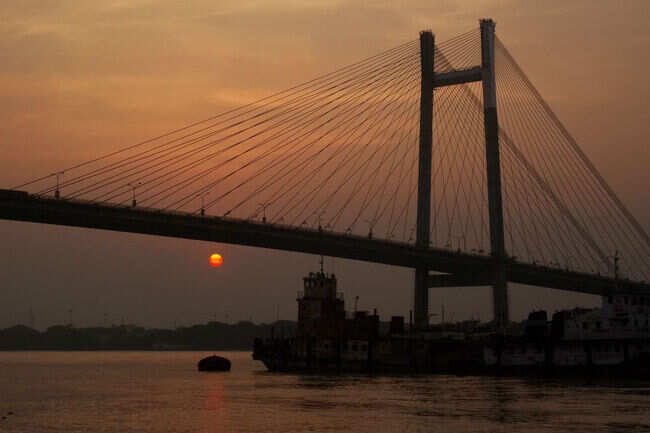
613, 338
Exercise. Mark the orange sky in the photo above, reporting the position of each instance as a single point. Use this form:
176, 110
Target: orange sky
81, 78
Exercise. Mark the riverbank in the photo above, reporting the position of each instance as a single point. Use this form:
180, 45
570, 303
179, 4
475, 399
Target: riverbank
209, 336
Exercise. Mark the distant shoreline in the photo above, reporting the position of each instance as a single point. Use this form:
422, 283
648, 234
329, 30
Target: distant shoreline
212, 336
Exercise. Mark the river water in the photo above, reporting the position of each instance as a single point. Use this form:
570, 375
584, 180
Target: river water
163, 392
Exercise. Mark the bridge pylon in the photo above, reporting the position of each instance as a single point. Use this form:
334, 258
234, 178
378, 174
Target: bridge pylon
495, 203
423, 223
485, 74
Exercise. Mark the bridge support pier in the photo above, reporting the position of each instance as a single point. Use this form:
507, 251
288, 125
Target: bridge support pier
491, 123
421, 289
421, 298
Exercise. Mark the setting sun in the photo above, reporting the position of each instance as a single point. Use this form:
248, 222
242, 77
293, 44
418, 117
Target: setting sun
216, 260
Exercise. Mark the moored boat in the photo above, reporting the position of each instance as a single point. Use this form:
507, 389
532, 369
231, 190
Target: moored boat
615, 338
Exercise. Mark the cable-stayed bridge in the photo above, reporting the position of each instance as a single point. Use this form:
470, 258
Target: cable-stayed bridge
436, 156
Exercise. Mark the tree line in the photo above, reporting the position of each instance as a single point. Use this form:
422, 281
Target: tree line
209, 336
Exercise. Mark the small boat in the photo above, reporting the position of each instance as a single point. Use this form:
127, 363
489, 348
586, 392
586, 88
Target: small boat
214, 363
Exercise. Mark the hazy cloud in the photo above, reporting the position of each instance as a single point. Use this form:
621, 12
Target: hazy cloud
81, 78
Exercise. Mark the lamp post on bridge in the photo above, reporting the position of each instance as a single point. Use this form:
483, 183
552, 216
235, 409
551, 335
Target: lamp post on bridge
464, 244
264, 206
370, 225
320, 217
58, 174
616, 259
133, 186
202, 195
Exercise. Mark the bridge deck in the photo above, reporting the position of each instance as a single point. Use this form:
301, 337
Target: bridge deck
19, 206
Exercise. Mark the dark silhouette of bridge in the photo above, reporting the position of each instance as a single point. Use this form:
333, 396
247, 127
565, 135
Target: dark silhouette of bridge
501, 193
